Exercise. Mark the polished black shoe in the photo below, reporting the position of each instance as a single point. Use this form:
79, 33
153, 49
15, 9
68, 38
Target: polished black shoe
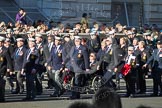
131, 96
141, 92
160, 94
32, 99
54, 95
74, 97
39, 93
153, 95
61, 92
29, 99
2, 100
127, 95
48, 87
26, 99
12, 89
15, 92
21, 91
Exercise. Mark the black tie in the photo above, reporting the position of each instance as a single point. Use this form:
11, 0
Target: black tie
29, 52
49, 46
127, 58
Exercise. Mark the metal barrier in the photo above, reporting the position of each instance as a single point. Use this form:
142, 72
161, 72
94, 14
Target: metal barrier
82, 35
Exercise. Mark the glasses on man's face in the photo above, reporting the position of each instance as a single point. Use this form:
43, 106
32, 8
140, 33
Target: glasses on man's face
130, 50
91, 56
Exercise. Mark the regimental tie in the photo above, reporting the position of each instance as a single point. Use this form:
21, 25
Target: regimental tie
50, 46
29, 52
157, 56
17, 52
38, 46
0, 49
107, 49
127, 59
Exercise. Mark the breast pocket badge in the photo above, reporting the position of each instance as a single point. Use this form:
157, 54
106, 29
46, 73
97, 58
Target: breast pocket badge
1, 59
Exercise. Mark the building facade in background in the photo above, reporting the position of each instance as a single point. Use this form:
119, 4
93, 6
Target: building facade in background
128, 12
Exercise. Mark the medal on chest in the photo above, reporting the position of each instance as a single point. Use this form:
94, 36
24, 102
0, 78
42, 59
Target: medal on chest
144, 56
110, 52
79, 54
1, 59
59, 53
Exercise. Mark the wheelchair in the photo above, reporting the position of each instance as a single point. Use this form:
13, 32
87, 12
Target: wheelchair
93, 81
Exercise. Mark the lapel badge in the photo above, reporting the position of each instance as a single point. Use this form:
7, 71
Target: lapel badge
1, 58
32, 56
79, 55
110, 52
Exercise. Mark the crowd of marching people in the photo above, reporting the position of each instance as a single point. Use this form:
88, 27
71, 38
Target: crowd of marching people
29, 50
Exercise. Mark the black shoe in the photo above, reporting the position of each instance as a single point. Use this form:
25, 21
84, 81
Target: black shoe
12, 89
15, 92
154, 95
32, 99
61, 92
2, 100
131, 96
39, 93
140, 92
21, 91
74, 97
127, 95
48, 87
160, 94
54, 95
26, 99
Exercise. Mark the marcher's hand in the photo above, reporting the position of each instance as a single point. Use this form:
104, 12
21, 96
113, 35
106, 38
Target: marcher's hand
66, 69
11, 73
61, 69
8, 70
45, 64
49, 67
115, 69
98, 67
22, 72
87, 70
24, 14
150, 70
144, 66
33, 71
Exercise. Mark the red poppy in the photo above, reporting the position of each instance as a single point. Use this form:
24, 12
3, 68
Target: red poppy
125, 70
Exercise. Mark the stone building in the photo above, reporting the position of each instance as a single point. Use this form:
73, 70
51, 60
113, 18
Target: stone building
128, 12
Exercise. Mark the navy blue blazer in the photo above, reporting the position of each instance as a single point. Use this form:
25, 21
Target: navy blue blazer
34, 52
18, 57
56, 58
5, 60
79, 59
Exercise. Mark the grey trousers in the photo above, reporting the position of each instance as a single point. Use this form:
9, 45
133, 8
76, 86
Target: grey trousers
56, 80
19, 81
